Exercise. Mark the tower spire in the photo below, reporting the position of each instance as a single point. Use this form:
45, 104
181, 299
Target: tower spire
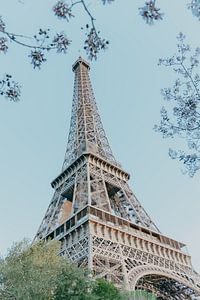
86, 130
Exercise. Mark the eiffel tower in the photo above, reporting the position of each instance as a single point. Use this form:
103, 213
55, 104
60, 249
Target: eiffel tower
100, 222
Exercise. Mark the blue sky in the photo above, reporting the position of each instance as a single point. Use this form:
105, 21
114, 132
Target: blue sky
127, 82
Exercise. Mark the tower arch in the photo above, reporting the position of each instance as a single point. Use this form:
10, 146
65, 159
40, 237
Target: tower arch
165, 284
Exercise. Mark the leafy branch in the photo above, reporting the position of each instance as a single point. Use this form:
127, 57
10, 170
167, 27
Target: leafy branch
43, 42
10, 89
93, 43
150, 12
38, 44
182, 119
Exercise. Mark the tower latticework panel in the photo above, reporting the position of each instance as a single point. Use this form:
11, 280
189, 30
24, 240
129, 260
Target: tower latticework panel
98, 219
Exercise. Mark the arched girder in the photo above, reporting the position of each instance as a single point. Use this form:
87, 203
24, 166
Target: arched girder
146, 270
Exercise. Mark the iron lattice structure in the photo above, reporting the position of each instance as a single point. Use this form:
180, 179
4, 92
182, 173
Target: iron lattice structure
100, 222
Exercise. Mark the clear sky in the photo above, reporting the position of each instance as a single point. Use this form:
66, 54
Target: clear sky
127, 82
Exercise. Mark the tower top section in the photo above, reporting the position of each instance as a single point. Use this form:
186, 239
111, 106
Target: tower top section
80, 62
86, 134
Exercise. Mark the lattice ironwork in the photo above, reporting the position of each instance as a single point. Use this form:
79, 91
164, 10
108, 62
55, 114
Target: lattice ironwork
86, 130
98, 219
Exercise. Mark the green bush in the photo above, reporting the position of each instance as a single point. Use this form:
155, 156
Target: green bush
142, 295
37, 272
